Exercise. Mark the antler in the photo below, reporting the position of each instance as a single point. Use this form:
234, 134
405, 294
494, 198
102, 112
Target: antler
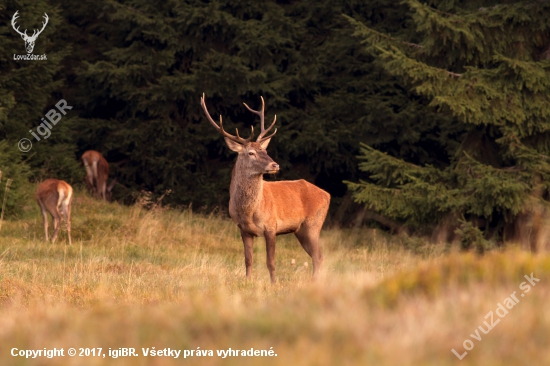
34, 34
264, 131
237, 139
13, 24
43, 26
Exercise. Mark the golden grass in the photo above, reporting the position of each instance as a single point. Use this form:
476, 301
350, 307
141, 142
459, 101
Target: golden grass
167, 278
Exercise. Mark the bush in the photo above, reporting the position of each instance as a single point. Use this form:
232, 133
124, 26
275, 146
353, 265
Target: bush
13, 167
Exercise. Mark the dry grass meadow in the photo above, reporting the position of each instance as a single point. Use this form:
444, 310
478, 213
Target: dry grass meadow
174, 279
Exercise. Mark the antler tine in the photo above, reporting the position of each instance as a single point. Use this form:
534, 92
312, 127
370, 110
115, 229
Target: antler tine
43, 24
259, 113
15, 16
261, 138
46, 18
220, 129
262, 123
251, 134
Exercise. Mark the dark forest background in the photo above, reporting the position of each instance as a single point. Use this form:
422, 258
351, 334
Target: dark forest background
419, 111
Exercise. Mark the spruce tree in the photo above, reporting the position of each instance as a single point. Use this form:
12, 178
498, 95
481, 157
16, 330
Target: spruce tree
485, 65
28, 90
134, 74
140, 85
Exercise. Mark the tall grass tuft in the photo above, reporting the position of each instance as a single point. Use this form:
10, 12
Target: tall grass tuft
8, 184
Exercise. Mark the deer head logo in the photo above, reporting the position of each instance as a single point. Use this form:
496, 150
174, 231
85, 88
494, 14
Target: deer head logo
29, 41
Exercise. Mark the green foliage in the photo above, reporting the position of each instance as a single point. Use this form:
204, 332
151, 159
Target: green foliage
139, 91
472, 237
29, 89
437, 85
488, 69
12, 167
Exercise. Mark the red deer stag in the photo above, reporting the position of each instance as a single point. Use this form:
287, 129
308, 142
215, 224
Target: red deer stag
268, 209
55, 196
97, 173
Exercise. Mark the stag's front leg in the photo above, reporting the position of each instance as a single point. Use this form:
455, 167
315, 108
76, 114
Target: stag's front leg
248, 241
270, 239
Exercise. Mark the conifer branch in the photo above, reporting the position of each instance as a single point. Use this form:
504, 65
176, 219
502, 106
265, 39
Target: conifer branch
453, 74
361, 27
412, 44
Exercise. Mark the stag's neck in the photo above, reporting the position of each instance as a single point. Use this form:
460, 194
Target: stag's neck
246, 191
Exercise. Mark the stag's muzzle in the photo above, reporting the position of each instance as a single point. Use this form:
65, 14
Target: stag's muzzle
272, 168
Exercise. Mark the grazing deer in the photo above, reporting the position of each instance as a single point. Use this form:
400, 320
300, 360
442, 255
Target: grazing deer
55, 196
261, 208
97, 173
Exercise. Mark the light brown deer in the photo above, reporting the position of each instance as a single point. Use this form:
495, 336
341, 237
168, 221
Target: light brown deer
55, 196
268, 209
97, 173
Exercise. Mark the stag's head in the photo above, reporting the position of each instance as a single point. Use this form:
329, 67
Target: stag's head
252, 154
29, 40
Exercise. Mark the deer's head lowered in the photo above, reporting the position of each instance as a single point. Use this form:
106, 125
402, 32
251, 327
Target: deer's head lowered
253, 157
29, 41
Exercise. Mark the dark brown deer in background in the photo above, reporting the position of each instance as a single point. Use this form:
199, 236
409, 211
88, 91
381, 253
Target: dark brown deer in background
55, 196
267, 209
97, 173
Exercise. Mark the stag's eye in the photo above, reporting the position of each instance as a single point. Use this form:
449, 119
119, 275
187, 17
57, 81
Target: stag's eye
251, 153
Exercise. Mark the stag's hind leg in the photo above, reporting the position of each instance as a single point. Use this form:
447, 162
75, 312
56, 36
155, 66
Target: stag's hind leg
56, 216
44, 219
309, 238
102, 186
66, 211
89, 179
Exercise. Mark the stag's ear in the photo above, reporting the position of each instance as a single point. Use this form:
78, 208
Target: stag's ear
264, 144
235, 146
